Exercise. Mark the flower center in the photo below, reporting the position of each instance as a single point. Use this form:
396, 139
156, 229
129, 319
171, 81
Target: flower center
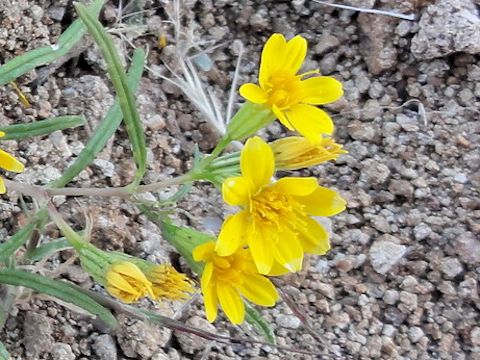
283, 91
272, 208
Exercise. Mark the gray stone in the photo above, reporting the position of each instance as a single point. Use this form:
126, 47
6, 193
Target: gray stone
408, 300
105, 166
467, 247
377, 47
289, 321
451, 267
105, 347
328, 64
475, 336
361, 131
327, 290
56, 12
421, 231
191, 344
141, 340
415, 333
36, 12
447, 26
391, 296
385, 254
389, 330
61, 351
401, 188
155, 122
366, 4
374, 172
37, 334
325, 43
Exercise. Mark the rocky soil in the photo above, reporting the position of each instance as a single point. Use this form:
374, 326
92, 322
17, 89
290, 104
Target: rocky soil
401, 281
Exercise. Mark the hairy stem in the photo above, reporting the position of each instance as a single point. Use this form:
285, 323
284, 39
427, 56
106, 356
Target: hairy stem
40, 192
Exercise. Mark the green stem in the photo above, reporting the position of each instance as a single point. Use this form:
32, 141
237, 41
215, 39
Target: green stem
222, 144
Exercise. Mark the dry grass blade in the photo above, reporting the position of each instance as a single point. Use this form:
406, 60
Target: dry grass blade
410, 17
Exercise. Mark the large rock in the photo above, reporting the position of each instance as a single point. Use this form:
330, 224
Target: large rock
446, 27
376, 46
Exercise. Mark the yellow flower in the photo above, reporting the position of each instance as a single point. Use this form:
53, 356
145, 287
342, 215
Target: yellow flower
296, 152
125, 281
290, 96
167, 283
226, 279
275, 221
9, 163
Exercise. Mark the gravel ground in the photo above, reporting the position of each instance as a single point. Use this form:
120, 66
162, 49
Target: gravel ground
401, 279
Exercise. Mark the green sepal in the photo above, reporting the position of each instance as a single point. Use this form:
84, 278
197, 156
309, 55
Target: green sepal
185, 240
248, 120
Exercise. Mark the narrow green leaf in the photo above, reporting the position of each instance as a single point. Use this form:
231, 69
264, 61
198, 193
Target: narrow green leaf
105, 129
59, 289
9, 247
4, 355
254, 318
124, 93
41, 127
22, 64
47, 249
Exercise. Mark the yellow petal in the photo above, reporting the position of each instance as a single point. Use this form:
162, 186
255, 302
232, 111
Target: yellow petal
272, 54
257, 162
117, 281
277, 270
281, 117
295, 186
237, 190
231, 302
288, 251
253, 93
310, 121
321, 90
210, 300
231, 235
296, 51
2, 134
322, 202
207, 275
9, 163
2, 186
261, 246
314, 238
204, 252
259, 290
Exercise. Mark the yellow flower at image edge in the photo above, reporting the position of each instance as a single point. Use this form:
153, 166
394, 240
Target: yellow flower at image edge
9, 163
125, 281
275, 221
290, 96
226, 279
